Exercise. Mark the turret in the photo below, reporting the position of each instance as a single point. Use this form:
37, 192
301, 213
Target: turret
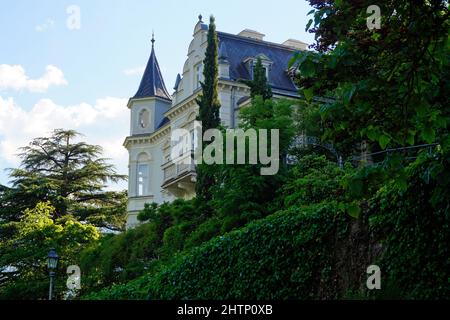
151, 100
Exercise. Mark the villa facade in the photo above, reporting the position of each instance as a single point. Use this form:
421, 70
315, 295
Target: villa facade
155, 113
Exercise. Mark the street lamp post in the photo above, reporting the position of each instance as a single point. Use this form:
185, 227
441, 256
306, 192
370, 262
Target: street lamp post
52, 263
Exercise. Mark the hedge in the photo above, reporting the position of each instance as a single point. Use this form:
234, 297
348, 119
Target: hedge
316, 251
284, 256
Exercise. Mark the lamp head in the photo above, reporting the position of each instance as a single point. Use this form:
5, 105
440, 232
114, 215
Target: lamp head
52, 259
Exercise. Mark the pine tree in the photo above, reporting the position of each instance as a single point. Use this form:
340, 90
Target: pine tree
209, 106
259, 86
71, 175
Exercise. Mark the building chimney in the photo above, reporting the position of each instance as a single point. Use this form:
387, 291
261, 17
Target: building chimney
251, 34
295, 44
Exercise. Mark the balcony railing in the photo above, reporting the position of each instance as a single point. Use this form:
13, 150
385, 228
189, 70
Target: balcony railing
173, 170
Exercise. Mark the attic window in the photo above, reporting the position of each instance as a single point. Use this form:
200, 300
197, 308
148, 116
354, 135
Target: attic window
266, 71
266, 67
266, 63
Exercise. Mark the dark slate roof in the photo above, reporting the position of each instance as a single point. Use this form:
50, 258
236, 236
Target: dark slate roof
152, 83
177, 82
242, 100
163, 122
239, 48
223, 53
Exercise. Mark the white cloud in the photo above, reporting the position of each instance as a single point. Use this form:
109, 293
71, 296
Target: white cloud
49, 23
105, 123
13, 77
134, 71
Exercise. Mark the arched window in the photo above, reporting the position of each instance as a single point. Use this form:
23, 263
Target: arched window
143, 175
144, 118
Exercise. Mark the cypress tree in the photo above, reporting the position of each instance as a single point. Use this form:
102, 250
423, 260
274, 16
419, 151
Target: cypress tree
259, 86
209, 106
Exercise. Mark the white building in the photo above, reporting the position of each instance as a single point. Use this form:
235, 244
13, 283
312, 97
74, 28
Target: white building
155, 113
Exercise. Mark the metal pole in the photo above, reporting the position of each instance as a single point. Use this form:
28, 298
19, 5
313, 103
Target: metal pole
50, 290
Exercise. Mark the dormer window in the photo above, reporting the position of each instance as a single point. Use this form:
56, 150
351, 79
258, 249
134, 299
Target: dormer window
266, 63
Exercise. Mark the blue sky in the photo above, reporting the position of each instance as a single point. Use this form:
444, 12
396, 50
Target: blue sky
55, 77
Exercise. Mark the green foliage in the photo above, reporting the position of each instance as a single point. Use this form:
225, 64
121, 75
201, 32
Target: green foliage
308, 119
414, 225
175, 237
259, 85
283, 256
209, 106
56, 200
270, 114
241, 193
23, 257
71, 175
384, 87
204, 232
305, 233
208, 102
388, 94
315, 180
133, 290
313, 250
174, 212
117, 258
168, 229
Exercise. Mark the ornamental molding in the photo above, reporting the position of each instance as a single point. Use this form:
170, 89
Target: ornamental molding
150, 138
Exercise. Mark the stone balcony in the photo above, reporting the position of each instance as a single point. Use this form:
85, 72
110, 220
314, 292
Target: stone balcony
179, 177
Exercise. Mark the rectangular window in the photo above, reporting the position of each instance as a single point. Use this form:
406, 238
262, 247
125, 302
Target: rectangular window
142, 179
198, 75
185, 144
266, 71
181, 146
193, 140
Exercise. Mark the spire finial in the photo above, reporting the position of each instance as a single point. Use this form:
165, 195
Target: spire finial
200, 17
153, 38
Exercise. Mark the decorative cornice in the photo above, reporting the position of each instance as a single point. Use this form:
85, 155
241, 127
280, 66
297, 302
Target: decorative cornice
147, 138
226, 83
145, 99
182, 106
